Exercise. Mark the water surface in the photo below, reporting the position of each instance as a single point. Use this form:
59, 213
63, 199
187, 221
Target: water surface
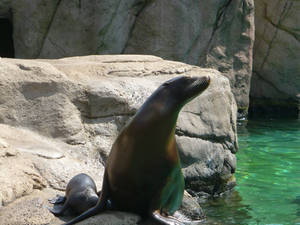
268, 177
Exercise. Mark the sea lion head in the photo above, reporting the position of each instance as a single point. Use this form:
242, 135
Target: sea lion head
185, 88
164, 105
175, 93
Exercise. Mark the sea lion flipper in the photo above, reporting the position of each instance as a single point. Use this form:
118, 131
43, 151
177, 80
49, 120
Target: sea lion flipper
59, 212
158, 219
57, 200
101, 205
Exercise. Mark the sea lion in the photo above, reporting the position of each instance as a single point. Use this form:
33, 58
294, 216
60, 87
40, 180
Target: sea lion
143, 172
81, 195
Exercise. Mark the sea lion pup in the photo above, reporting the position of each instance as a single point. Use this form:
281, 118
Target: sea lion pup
81, 195
143, 173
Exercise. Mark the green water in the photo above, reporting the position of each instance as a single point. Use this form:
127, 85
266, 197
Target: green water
268, 177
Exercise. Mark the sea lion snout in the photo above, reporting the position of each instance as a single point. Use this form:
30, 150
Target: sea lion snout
208, 79
196, 86
203, 81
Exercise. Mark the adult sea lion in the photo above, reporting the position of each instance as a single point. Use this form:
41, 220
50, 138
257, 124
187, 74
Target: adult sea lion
143, 172
81, 195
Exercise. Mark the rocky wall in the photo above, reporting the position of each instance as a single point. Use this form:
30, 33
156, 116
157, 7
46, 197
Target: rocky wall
214, 34
275, 85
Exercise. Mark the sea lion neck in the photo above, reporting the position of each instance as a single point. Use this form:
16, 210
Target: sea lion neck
161, 126
161, 105
156, 115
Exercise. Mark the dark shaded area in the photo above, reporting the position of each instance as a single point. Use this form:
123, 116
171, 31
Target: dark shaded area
242, 114
6, 39
260, 108
297, 201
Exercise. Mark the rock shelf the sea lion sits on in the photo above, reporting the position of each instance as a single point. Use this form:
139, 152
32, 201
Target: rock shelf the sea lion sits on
143, 172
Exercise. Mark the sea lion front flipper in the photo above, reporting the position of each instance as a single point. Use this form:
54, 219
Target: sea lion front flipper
59, 212
101, 205
57, 200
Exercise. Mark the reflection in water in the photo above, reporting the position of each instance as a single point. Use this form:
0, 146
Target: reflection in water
227, 210
297, 201
268, 177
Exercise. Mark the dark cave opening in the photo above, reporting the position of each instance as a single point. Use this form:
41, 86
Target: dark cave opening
266, 108
6, 39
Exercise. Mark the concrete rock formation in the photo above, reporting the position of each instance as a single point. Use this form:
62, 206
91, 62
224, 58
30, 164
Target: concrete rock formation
215, 34
276, 76
60, 117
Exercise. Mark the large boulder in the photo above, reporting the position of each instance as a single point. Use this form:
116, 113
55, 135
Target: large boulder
216, 34
276, 76
60, 117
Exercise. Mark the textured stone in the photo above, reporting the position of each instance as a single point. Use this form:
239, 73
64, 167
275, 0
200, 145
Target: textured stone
60, 117
18, 177
216, 34
276, 78
112, 218
34, 162
29, 210
190, 209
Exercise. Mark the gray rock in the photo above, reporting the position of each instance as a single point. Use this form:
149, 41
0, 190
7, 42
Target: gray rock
276, 78
215, 34
190, 210
31, 161
29, 210
60, 117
